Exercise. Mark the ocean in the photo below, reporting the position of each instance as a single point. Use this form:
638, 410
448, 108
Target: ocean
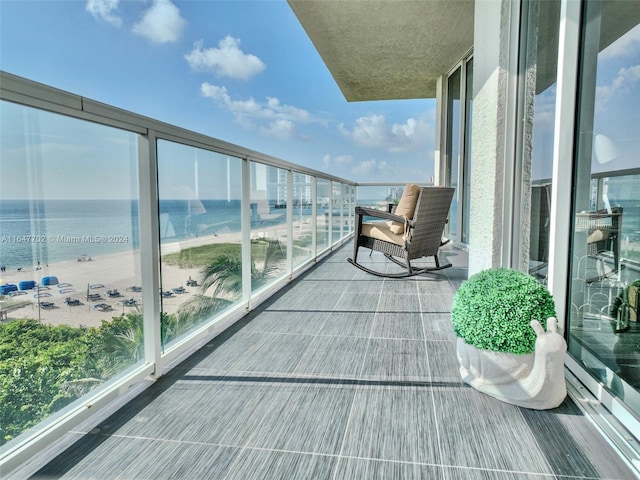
40, 232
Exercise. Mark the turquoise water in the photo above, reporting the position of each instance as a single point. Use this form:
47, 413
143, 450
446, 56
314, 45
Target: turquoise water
41, 232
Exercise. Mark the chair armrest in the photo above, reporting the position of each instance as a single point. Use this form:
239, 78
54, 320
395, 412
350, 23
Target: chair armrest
372, 212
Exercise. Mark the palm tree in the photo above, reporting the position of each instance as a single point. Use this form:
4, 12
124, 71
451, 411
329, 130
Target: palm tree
115, 344
224, 274
191, 313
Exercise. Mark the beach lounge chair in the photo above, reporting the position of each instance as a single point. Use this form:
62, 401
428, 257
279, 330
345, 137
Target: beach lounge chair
413, 231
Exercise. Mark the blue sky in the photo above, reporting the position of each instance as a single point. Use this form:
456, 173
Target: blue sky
241, 71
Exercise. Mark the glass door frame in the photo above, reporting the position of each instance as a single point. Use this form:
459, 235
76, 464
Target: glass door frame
605, 409
446, 163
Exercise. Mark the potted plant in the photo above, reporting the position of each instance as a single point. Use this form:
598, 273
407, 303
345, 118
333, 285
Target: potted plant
499, 316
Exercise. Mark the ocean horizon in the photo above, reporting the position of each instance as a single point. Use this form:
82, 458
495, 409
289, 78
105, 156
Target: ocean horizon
40, 232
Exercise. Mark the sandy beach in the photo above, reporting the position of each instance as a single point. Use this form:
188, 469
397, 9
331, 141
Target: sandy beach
88, 283
111, 281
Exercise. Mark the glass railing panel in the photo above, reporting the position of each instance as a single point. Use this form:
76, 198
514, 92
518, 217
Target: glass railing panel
302, 218
268, 203
200, 242
323, 237
346, 209
69, 254
336, 212
378, 196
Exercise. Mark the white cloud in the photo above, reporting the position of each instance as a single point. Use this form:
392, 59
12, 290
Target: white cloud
620, 85
228, 60
105, 9
371, 167
373, 132
270, 117
327, 160
280, 128
161, 23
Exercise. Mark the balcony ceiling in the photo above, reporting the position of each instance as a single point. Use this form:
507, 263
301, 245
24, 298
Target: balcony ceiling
383, 50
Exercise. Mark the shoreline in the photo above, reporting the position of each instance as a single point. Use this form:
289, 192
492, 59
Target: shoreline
87, 284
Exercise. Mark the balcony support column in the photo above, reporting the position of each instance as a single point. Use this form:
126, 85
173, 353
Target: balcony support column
494, 135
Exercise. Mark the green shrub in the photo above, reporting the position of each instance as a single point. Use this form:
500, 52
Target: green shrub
493, 309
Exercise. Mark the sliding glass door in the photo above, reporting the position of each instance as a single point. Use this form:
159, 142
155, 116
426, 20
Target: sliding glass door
604, 328
457, 145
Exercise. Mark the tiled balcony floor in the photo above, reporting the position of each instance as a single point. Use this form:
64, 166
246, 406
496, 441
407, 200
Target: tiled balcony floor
340, 376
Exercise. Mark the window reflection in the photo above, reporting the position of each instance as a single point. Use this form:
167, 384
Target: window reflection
268, 224
323, 212
538, 147
201, 264
337, 212
453, 147
69, 256
604, 329
302, 218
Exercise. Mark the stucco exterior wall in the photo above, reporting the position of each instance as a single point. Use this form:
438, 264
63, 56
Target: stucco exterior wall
489, 220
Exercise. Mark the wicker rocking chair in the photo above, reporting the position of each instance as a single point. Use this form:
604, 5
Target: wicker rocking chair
413, 231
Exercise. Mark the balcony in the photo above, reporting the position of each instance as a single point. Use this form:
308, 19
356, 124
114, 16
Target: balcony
339, 375
332, 374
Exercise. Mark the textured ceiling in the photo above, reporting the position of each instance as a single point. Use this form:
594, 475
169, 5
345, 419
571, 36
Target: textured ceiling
389, 49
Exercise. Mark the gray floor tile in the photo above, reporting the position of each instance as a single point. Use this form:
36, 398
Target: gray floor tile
398, 325
287, 321
224, 352
306, 417
334, 271
232, 413
443, 362
348, 324
434, 303
361, 285
341, 356
452, 473
304, 301
355, 468
93, 457
565, 437
400, 286
263, 465
436, 286
399, 303
479, 431
437, 326
276, 352
396, 359
181, 461
361, 302
156, 413
393, 423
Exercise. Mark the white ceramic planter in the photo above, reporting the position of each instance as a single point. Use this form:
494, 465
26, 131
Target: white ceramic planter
532, 381
481, 367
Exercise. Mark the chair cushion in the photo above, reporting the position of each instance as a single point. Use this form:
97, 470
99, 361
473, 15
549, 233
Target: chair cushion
381, 231
406, 206
595, 236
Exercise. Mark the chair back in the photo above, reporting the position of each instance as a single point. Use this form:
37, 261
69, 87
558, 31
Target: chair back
430, 217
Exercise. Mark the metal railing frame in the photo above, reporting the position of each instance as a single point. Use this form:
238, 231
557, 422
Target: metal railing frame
28, 93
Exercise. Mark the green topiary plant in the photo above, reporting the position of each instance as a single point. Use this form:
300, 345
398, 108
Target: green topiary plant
493, 308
